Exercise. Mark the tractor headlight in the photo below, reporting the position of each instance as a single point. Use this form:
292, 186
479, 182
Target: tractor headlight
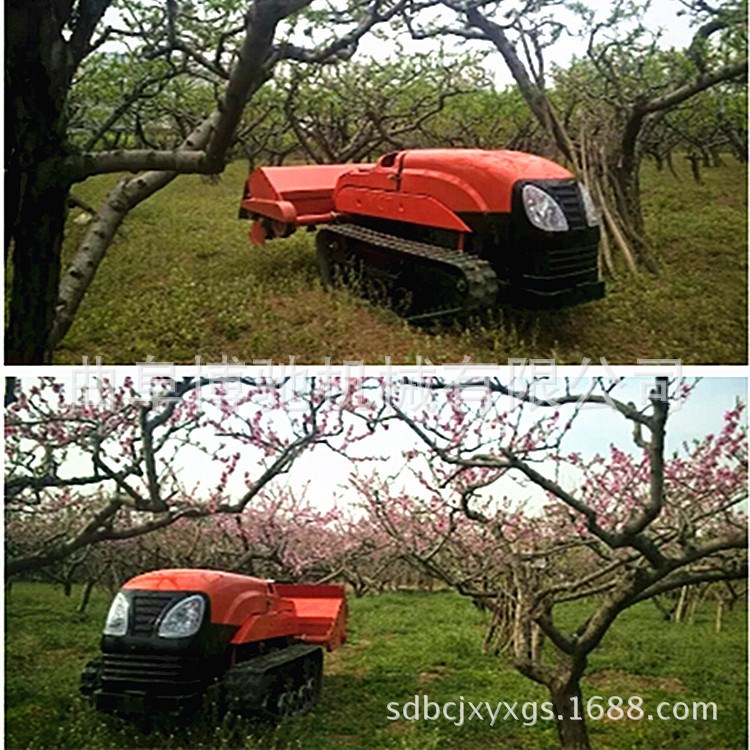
184, 619
543, 210
117, 617
592, 214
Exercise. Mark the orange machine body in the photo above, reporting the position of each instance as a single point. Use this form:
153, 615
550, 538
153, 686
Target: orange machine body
175, 639
257, 609
429, 187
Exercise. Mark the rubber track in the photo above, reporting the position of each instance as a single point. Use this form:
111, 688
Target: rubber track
481, 281
245, 682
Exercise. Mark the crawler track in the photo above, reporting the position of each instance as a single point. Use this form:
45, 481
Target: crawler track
276, 685
418, 280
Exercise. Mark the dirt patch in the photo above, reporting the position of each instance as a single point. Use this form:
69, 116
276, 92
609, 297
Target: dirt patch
430, 675
63, 655
731, 200
399, 727
618, 681
346, 740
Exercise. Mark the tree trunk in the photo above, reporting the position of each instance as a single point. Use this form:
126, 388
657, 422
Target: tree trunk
681, 604
738, 143
670, 164
36, 248
36, 80
695, 167
567, 702
719, 613
40, 64
626, 187
625, 183
86, 597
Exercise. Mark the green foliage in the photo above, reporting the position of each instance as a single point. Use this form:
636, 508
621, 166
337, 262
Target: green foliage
483, 119
401, 645
162, 79
355, 110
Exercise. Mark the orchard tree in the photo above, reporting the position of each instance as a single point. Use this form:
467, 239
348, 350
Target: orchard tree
280, 535
487, 119
357, 110
715, 124
265, 135
109, 463
620, 49
114, 98
232, 44
618, 528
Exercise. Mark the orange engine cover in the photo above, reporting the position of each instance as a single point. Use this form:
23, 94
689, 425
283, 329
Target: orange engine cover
430, 187
259, 609
461, 180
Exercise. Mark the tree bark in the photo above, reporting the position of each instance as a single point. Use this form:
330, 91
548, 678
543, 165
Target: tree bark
626, 186
86, 596
36, 241
36, 79
567, 701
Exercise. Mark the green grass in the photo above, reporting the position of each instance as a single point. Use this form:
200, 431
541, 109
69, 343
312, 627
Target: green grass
181, 280
401, 645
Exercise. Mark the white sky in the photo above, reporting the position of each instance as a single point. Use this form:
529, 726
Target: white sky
662, 16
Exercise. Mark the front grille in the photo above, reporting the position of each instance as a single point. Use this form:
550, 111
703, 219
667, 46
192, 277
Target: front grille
569, 197
147, 608
562, 261
154, 674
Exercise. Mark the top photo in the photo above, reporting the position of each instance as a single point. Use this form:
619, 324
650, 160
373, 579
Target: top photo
385, 182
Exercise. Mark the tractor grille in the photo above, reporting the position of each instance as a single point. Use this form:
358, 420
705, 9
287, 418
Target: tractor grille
569, 197
154, 674
561, 261
146, 611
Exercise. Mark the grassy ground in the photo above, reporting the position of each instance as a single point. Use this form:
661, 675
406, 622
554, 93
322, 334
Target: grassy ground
401, 645
181, 280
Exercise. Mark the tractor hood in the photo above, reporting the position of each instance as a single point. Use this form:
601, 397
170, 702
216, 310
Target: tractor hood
479, 164
233, 597
474, 180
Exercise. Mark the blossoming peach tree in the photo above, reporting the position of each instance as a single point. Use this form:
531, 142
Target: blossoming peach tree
610, 530
109, 465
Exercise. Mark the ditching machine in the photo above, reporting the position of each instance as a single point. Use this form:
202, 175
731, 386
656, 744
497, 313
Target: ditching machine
255, 647
439, 232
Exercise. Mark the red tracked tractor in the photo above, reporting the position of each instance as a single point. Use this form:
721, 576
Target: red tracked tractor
440, 232
255, 647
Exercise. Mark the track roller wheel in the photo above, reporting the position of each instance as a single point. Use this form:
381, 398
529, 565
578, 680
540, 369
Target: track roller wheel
278, 691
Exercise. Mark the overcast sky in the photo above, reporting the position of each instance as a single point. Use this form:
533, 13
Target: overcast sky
663, 16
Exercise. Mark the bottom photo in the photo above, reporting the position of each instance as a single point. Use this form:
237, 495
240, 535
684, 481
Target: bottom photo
415, 562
